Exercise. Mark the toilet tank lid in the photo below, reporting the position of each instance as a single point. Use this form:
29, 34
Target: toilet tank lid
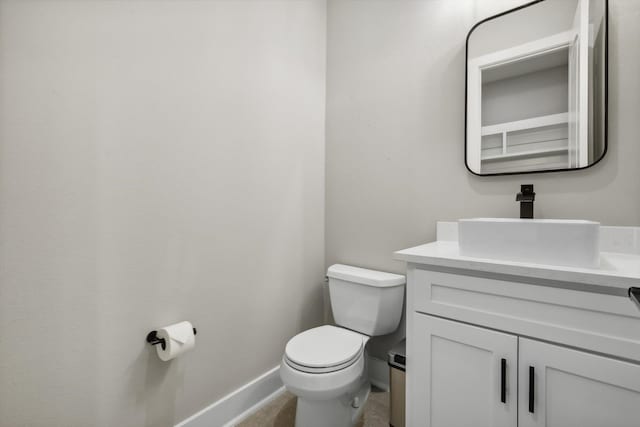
365, 276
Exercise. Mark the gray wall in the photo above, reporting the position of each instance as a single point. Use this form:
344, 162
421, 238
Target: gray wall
395, 131
159, 161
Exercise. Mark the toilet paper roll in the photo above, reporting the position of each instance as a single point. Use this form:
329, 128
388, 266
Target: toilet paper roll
178, 337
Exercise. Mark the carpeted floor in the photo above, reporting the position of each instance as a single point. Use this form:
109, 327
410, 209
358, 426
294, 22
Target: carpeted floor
281, 412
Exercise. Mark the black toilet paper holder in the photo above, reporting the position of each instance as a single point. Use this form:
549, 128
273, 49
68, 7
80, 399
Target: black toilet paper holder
152, 338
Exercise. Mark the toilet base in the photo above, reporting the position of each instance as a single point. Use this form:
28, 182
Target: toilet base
339, 412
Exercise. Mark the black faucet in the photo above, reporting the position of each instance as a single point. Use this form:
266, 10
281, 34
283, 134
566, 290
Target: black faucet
526, 196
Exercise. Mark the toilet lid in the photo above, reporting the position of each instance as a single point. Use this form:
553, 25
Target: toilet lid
324, 347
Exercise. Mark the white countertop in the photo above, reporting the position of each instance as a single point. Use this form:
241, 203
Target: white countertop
617, 270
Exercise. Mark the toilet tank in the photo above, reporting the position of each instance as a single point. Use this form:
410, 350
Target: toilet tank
367, 301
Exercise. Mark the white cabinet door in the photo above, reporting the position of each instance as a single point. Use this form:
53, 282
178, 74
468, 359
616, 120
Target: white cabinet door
457, 377
574, 388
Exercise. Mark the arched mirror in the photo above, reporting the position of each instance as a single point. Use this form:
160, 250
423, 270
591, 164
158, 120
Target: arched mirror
536, 88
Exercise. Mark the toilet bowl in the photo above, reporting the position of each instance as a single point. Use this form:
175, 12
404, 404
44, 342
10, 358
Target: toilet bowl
326, 367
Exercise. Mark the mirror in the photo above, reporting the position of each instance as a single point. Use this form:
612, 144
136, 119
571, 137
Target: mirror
536, 88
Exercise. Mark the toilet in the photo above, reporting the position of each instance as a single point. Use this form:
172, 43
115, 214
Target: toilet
326, 367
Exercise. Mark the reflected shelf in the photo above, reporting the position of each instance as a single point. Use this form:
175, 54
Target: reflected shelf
525, 154
536, 122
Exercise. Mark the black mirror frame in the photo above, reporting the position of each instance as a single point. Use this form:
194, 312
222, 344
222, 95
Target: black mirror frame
606, 92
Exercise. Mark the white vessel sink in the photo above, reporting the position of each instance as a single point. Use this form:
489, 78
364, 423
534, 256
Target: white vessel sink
572, 243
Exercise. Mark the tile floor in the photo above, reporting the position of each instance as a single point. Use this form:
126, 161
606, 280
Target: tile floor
281, 412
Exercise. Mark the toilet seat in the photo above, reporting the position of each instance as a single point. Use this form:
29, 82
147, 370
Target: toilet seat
324, 349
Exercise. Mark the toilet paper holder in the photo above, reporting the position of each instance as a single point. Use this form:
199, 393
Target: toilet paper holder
152, 338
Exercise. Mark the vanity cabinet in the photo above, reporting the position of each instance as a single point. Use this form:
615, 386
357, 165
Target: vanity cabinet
491, 350
575, 388
472, 376
463, 378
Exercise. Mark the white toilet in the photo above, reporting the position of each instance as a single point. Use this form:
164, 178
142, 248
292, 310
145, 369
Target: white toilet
326, 367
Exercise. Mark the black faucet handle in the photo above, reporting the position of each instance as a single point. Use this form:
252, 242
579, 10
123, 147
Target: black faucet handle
526, 193
527, 189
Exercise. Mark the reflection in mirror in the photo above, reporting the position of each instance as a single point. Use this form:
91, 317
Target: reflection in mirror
537, 89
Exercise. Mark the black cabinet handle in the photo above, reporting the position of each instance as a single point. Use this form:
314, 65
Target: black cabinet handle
503, 381
634, 294
532, 374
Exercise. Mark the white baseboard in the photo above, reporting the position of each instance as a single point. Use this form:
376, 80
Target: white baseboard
378, 373
239, 404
